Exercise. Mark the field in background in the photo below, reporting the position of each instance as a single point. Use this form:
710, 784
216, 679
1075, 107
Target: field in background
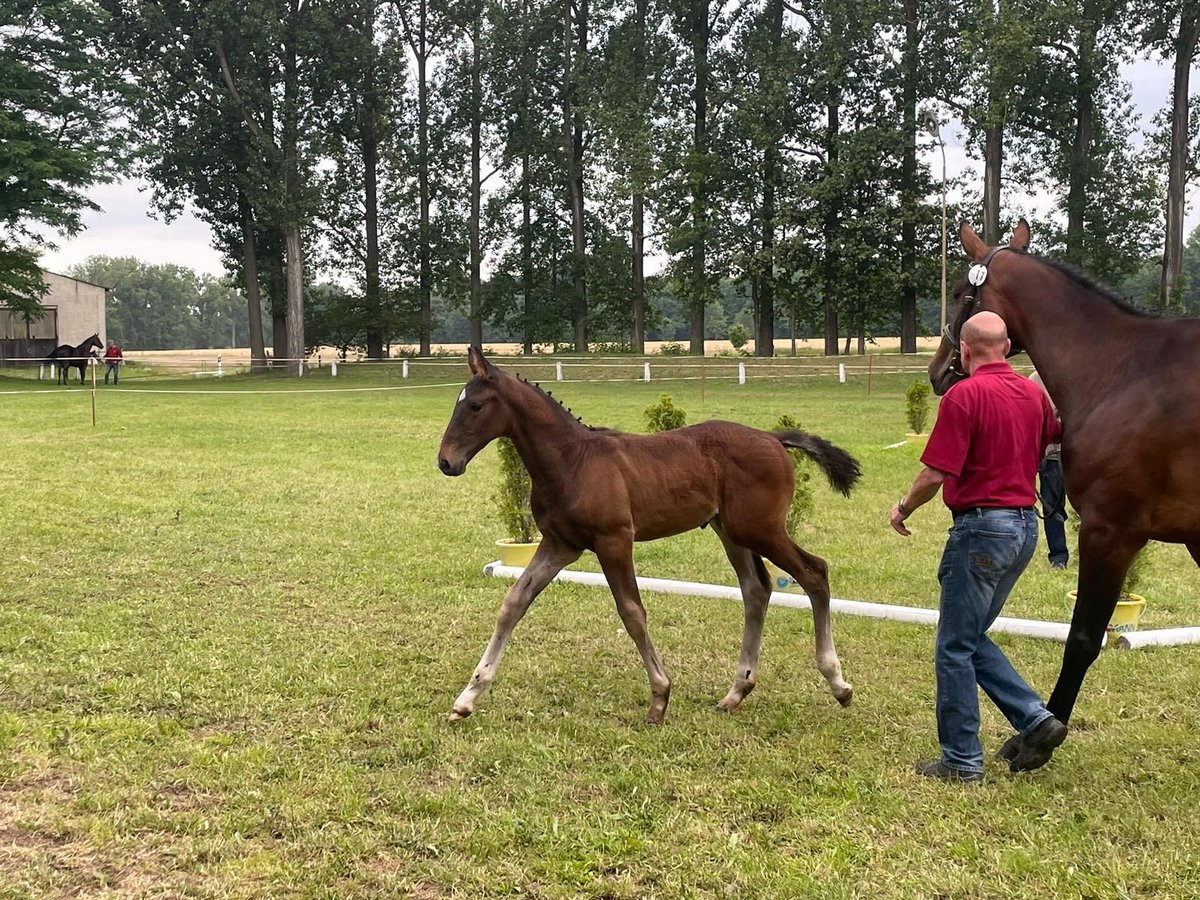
234, 615
783, 347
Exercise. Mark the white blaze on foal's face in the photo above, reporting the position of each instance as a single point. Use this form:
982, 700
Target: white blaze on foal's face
462, 396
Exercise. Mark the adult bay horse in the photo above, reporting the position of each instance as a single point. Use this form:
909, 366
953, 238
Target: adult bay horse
601, 490
65, 357
1127, 386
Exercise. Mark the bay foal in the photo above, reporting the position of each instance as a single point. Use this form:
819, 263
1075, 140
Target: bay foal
601, 490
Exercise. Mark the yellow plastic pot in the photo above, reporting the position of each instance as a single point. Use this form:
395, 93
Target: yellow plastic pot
781, 580
516, 553
1124, 618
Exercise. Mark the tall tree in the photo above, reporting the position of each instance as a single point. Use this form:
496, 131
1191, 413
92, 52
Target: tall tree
57, 102
1173, 30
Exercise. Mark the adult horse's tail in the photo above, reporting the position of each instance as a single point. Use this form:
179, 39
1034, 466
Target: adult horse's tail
840, 467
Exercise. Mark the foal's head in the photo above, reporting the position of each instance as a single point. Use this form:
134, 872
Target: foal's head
479, 417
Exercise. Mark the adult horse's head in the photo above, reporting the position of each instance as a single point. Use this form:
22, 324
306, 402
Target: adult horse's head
480, 416
974, 294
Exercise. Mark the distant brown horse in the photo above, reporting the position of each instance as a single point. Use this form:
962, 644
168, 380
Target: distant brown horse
601, 490
1127, 385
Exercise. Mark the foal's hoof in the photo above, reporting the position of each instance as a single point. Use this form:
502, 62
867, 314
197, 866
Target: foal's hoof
459, 713
845, 696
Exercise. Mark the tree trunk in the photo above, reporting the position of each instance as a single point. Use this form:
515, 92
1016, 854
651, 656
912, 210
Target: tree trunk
1185, 52
291, 179
908, 184
638, 210
575, 30
369, 141
258, 349
527, 254
1081, 145
475, 316
993, 161
764, 338
424, 251
638, 335
295, 277
830, 226
699, 286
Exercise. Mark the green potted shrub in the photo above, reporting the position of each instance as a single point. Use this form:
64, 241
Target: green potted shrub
513, 505
664, 415
799, 510
917, 410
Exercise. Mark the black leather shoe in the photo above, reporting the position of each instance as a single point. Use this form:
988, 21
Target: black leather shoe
935, 768
1038, 745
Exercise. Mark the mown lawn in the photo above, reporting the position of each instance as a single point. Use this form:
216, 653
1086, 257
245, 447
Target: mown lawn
232, 625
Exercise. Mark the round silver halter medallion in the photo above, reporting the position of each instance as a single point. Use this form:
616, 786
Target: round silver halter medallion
977, 274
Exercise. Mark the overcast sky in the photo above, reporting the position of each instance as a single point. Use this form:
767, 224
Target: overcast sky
124, 227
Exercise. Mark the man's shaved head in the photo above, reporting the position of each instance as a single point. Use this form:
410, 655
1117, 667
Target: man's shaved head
987, 336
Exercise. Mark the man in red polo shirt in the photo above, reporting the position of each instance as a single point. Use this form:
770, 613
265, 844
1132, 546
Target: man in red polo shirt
983, 453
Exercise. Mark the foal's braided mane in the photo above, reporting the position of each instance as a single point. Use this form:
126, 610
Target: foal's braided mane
548, 396
1087, 282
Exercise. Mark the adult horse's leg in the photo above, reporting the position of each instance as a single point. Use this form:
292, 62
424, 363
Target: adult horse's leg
547, 562
756, 594
1104, 558
1194, 549
812, 573
616, 559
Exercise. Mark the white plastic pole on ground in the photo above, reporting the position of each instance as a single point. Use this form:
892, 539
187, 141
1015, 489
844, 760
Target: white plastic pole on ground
1161, 637
53, 371
646, 373
842, 373
41, 371
300, 369
333, 369
741, 373
220, 372
404, 369
558, 371
1028, 627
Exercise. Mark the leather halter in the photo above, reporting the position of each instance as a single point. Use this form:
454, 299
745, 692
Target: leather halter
967, 309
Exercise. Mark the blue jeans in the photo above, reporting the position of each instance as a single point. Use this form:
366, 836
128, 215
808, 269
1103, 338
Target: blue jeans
986, 552
1054, 509
111, 369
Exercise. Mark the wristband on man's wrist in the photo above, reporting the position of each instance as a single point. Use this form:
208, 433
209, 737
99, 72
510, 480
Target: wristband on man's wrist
900, 506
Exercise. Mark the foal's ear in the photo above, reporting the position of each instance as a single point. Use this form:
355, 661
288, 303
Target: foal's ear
1020, 238
479, 366
971, 242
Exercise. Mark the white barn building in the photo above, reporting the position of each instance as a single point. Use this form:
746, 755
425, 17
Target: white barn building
73, 311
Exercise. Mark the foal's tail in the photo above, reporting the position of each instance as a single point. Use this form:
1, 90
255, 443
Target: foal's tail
840, 467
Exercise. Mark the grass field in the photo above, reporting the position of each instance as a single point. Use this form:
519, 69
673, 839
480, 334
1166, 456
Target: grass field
232, 624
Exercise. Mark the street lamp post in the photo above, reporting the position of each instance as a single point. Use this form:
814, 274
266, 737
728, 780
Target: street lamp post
933, 127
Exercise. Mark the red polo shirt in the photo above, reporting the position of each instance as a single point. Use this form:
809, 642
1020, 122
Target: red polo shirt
991, 432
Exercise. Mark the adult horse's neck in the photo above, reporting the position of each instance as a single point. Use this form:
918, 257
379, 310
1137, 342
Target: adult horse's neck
540, 428
1076, 337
